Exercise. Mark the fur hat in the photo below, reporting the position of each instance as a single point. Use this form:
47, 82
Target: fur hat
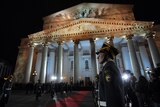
109, 49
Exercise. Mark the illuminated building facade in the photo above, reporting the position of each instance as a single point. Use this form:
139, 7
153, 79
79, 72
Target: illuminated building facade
65, 49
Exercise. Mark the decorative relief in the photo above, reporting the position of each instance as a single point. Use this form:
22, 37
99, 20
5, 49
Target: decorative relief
93, 11
86, 13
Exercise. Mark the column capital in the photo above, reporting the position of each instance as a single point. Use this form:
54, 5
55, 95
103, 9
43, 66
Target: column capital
45, 43
60, 42
129, 36
150, 35
76, 41
31, 45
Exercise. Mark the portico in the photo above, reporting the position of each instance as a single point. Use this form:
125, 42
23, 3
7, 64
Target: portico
91, 22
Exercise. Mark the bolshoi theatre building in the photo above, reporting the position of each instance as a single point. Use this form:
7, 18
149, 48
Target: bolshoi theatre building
64, 51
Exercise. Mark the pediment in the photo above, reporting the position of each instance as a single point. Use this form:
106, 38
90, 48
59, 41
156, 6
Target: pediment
90, 10
91, 28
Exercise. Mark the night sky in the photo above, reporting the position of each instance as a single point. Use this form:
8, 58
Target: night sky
22, 17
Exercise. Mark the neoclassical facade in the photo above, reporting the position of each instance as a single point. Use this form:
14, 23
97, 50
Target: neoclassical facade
65, 49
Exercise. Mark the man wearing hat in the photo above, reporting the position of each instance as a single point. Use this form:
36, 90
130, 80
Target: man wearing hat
111, 92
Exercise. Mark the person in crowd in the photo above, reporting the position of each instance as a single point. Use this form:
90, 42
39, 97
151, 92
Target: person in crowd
141, 89
38, 89
133, 81
129, 89
111, 90
154, 88
29, 87
6, 90
52, 89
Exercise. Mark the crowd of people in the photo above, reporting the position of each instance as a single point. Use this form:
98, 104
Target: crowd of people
109, 90
48, 88
114, 91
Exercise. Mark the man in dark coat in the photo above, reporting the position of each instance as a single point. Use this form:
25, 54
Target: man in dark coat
6, 90
111, 90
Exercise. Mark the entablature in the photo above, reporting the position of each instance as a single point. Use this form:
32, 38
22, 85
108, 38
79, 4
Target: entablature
90, 28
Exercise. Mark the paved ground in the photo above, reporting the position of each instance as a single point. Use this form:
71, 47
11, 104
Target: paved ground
74, 99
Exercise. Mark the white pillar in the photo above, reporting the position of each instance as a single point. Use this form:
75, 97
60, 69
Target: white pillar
133, 57
29, 64
122, 68
153, 49
60, 62
76, 62
144, 58
56, 64
44, 63
38, 64
93, 58
51, 65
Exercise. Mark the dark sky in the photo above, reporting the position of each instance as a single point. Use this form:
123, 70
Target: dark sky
22, 17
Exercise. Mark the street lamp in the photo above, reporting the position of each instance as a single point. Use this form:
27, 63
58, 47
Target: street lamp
34, 74
62, 78
125, 76
54, 78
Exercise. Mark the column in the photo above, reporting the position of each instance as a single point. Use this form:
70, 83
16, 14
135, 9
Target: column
153, 49
51, 66
29, 64
38, 64
122, 68
44, 63
56, 64
76, 62
133, 57
144, 59
93, 58
60, 62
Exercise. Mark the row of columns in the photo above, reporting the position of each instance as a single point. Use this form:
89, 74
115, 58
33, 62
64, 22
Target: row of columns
43, 68
133, 57
134, 61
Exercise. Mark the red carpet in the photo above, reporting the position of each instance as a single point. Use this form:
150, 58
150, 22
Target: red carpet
71, 101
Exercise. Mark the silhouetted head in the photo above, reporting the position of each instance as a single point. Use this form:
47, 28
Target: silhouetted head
109, 50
